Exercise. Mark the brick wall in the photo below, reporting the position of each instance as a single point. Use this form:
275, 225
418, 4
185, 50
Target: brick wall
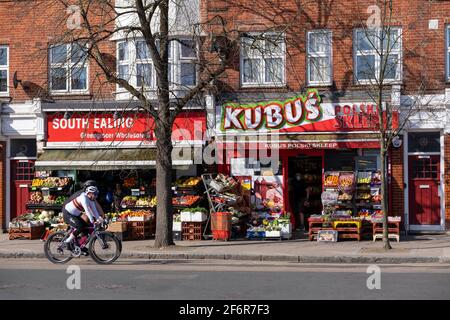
423, 49
397, 183
2, 185
28, 27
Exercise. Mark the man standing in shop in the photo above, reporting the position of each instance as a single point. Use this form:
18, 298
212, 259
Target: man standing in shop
299, 201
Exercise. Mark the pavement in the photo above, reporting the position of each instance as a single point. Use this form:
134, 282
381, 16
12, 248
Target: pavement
413, 249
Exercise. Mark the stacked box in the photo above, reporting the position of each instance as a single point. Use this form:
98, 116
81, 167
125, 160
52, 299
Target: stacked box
192, 230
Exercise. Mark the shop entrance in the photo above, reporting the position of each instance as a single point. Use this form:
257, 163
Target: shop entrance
308, 168
22, 173
424, 202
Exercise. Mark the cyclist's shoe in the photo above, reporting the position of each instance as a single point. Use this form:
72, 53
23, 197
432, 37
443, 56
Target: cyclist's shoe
84, 251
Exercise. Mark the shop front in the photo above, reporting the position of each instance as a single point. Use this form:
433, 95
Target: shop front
305, 156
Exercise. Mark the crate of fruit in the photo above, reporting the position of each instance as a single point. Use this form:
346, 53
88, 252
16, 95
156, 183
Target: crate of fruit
30, 233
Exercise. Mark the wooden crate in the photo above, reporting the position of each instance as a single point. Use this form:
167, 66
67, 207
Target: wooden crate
31, 233
192, 230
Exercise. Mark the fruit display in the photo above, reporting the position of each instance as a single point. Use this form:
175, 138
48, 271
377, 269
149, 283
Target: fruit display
51, 182
376, 198
364, 177
36, 197
346, 180
49, 199
129, 182
331, 179
186, 200
364, 196
60, 199
365, 212
345, 197
128, 201
144, 201
188, 182
376, 178
329, 197
136, 215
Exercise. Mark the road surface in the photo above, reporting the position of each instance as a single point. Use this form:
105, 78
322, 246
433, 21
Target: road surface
179, 280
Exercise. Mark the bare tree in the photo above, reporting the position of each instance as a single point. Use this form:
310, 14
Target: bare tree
156, 23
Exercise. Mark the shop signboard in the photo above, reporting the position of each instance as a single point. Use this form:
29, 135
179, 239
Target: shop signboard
102, 128
297, 115
327, 236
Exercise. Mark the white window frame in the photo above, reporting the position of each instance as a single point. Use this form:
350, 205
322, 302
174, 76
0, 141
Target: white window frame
447, 52
3, 68
175, 60
310, 55
126, 62
374, 52
262, 82
68, 65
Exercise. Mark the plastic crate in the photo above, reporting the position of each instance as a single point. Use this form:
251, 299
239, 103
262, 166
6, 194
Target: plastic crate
192, 230
192, 237
256, 234
221, 234
31, 233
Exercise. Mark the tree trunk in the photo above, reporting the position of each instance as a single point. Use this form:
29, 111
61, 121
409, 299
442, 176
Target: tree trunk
384, 193
164, 211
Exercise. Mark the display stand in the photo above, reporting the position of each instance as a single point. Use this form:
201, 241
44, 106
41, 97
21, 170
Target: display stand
393, 230
317, 225
348, 229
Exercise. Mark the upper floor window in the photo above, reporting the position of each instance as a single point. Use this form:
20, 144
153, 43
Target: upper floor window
377, 50
447, 47
134, 63
4, 64
319, 57
68, 68
262, 60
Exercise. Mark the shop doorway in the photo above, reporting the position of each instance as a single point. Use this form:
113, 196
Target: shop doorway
309, 168
22, 174
424, 200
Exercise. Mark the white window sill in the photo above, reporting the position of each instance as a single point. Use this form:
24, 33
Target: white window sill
69, 93
263, 85
319, 84
374, 82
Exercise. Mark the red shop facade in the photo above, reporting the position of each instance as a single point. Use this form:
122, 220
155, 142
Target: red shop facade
272, 142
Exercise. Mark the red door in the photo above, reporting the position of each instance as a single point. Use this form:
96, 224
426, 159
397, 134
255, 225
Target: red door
22, 173
424, 201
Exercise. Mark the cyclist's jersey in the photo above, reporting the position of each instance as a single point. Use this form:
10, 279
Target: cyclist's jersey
80, 204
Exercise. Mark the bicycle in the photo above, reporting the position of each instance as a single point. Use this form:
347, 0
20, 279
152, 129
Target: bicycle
98, 240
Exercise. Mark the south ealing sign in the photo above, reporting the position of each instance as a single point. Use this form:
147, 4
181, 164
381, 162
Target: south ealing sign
299, 114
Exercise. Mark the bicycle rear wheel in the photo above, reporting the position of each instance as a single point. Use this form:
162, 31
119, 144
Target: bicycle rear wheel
105, 248
54, 249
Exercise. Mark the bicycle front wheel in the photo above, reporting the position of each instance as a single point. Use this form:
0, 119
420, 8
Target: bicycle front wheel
105, 248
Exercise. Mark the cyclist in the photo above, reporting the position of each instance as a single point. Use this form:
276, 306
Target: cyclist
85, 202
88, 183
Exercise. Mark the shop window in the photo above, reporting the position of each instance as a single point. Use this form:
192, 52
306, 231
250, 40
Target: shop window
376, 50
4, 63
123, 61
23, 148
319, 57
424, 142
262, 60
340, 160
68, 68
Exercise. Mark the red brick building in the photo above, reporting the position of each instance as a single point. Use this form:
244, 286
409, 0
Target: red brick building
327, 47
310, 46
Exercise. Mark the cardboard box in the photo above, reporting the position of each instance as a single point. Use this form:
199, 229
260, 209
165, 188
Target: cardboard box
193, 216
118, 226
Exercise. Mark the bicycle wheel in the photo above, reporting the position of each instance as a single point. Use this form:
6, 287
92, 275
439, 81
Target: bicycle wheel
53, 250
105, 248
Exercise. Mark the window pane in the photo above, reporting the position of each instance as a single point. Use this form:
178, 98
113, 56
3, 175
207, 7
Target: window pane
3, 81
171, 73
274, 46
319, 42
124, 72
3, 56
58, 78
188, 76
187, 49
123, 51
79, 78
79, 53
252, 69
59, 54
144, 74
391, 67
319, 69
252, 47
365, 66
424, 142
142, 51
393, 36
274, 70
365, 40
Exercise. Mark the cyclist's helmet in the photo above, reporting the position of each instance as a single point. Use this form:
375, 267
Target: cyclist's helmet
89, 183
92, 189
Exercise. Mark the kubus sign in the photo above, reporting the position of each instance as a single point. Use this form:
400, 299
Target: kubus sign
101, 128
300, 114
